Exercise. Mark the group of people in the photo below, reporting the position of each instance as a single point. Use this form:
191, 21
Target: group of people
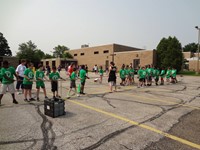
25, 77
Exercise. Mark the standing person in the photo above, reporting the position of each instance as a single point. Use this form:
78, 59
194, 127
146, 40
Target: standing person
168, 75
73, 78
162, 75
54, 76
122, 74
112, 76
173, 74
70, 69
40, 81
48, 70
28, 82
7, 73
157, 73
59, 68
101, 74
95, 69
20, 72
82, 76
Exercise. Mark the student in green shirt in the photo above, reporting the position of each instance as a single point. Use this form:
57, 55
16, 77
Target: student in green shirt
122, 74
162, 75
82, 78
28, 82
40, 81
173, 74
101, 74
127, 75
142, 75
157, 73
73, 78
168, 75
7, 73
54, 76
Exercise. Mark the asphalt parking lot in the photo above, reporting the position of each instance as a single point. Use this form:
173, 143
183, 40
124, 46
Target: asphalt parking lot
157, 117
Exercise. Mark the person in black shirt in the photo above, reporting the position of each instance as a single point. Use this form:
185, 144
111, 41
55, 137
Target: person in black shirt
112, 76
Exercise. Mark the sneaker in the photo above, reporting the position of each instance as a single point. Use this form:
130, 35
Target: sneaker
78, 95
58, 96
38, 99
26, 100
46, 97
31, 99
82, 93
15, 102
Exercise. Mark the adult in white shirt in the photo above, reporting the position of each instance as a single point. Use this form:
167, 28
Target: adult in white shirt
20, 72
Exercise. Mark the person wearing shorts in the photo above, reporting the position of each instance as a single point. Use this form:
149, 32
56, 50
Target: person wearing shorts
82, 75
73, 78
122, 74
40, 81
7, 73
54, 76
28, 82
101, 74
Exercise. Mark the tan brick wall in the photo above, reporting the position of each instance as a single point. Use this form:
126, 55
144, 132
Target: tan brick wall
187, 55
89, 58
193, 65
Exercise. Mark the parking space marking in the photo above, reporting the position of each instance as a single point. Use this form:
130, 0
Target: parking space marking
186, 142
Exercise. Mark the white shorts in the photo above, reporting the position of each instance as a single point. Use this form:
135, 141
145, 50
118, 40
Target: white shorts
9, 87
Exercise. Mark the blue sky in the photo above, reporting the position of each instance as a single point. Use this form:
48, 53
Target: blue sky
136, 23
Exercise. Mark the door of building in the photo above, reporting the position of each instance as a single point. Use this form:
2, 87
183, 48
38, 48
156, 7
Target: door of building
136, 63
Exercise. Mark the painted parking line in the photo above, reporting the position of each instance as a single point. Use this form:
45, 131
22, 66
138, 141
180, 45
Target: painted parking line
186, 142
164, 101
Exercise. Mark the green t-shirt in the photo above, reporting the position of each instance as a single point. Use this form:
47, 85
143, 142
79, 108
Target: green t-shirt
168, 73
127, 71
39, 74
143, 74
29, 73
9, 72
101, 71
157, 73
122, 73
162, 74
73, 76
173, 73
82, 75
54, 76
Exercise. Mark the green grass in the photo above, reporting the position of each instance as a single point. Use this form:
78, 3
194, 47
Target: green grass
189, 73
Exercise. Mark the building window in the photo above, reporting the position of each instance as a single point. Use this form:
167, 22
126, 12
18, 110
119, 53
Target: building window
96, 52
75, 54
82, 54
106, 51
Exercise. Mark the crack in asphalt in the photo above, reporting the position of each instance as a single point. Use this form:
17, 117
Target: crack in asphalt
46, 127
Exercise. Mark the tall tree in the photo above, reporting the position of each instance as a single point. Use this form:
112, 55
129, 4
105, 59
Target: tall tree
30, 52
191, 47
4, 48
59, 51
169, 53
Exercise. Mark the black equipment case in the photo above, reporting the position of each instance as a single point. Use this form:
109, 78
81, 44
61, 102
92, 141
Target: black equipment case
54, 107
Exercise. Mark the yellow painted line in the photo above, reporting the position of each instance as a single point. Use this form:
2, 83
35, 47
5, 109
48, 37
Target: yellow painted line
165, 101
186, 142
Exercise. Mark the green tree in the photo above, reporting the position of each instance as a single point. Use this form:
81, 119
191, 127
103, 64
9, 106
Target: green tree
67, 55
30, 52
191, 47
59, 51
46, 56
4, 48
169, 53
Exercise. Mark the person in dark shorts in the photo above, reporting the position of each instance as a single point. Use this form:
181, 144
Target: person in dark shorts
54, 76
112, 76
83, 76
40, 81
28, 82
